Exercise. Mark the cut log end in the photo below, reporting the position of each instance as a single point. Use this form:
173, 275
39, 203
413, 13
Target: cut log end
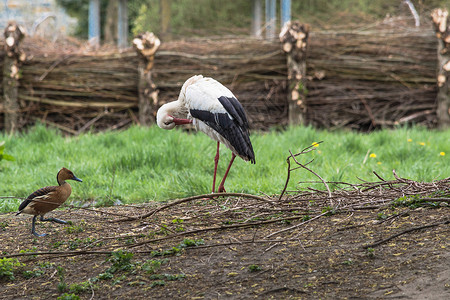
287, 47
293, 35
439, 17
447, 38
10, 41
446, 66
146, 44
300, 44
441, 79
295, 95
137, 43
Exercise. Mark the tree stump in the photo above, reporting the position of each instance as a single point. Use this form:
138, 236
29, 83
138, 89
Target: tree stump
14, 56
442, 28
294, 39
146, 45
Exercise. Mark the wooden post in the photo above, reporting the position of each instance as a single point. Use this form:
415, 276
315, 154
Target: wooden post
294, 39
14, 56
442, 29
146, 45
110, 28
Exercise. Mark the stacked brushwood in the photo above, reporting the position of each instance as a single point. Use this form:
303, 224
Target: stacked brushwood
76, 89
372, 78
360, 79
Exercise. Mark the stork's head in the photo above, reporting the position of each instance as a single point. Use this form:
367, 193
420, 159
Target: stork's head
167, 116
164, 119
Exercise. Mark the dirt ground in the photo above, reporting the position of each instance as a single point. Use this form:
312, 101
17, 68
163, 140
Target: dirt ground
231, 248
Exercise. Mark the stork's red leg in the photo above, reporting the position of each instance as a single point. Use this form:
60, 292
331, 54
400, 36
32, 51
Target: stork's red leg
221, 188
216, 162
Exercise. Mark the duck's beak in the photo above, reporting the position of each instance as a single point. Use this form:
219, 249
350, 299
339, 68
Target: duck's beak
77, 179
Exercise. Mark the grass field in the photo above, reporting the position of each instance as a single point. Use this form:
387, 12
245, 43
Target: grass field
146, 164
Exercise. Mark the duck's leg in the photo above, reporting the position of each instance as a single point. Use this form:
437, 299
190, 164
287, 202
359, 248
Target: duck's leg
216, 162
33, 231
53, 220
221, 188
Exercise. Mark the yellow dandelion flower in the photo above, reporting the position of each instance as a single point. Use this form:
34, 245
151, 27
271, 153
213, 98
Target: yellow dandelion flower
442, 153
409, 140
315, 144
422, 144
373, 155
379, 163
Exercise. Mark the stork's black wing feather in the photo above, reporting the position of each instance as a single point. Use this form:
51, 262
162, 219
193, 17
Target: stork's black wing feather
234, 129
235, 109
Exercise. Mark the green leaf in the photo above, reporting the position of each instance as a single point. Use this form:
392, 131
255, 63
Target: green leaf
7, 157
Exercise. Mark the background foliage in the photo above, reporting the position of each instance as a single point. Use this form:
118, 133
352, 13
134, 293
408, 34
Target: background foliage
210, 17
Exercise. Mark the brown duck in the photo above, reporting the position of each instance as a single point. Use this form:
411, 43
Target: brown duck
48, 198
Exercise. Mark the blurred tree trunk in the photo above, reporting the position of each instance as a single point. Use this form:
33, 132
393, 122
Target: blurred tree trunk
110, 27
165, 6
256, 18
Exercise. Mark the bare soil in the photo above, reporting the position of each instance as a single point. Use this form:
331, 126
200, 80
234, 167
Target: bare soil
234, 248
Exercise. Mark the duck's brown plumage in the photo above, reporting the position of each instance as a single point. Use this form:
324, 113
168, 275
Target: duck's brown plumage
48, 198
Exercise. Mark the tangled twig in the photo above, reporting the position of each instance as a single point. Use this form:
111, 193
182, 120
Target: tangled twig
188, 199
293, 156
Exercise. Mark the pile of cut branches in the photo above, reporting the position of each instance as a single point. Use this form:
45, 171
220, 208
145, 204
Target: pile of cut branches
372, 78
75, 88
362, 79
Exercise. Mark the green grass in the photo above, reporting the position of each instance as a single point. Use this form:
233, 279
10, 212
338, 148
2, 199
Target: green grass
146, 164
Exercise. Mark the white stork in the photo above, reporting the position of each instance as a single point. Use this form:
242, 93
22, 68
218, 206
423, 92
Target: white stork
213, 109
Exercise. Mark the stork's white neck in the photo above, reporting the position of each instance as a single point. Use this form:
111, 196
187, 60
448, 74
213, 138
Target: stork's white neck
192, 80
165, 114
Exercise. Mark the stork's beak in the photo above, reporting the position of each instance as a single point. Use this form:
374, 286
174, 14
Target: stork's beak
178, 121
